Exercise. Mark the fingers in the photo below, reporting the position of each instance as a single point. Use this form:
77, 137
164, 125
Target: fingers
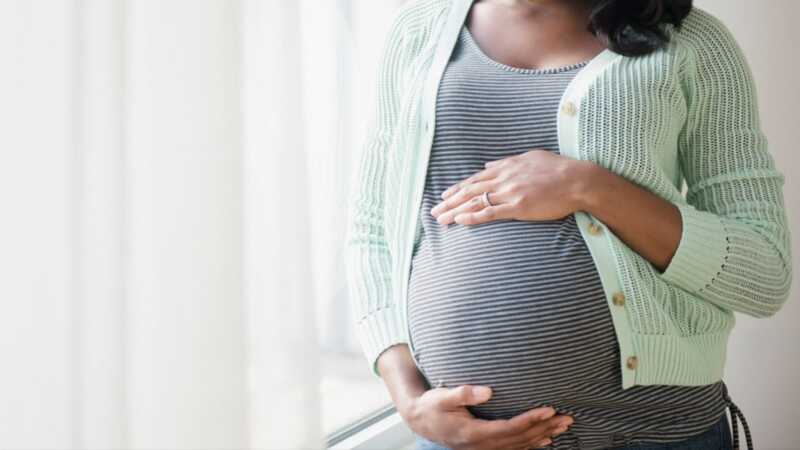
504, 206
488, 214
547, 430
466, 192
470, 206
537, 436
474, 210
515, 426
483, 175
499, 162
539, 444
527, 430
466, 395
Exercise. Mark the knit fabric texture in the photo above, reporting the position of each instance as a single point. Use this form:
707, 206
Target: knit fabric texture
687, 112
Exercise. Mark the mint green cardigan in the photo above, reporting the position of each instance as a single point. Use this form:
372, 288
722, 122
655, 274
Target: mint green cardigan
687, 112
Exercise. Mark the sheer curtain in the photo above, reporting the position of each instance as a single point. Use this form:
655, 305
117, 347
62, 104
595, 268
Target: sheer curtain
173, 181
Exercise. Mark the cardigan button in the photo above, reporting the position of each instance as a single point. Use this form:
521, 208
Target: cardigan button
569, 108
632, 362
594, 229
618, 298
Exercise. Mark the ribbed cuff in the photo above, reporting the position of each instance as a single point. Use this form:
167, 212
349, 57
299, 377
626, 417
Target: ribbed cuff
701, 251
379, 331
681, 360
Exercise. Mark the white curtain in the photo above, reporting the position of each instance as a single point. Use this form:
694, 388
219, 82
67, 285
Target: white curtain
173, 179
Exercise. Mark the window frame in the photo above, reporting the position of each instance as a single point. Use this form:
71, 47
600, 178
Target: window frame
380, 429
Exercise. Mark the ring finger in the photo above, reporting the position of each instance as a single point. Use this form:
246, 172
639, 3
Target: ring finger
473, 204
465, 193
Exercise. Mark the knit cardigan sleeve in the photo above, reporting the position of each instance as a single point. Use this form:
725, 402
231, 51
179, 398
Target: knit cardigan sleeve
377, 316
735, 248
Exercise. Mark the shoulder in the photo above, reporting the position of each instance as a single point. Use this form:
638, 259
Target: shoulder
705, 36
415, 19
414, 15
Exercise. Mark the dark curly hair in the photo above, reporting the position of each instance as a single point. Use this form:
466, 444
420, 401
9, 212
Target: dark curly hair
635, 27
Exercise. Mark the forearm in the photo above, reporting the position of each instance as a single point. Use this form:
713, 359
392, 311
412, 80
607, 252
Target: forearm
647, 223
402, 377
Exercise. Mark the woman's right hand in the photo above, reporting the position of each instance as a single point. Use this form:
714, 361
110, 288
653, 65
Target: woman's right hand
440, 415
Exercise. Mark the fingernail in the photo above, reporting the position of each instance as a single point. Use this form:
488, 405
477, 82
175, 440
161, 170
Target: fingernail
560, 430
481, 391
549, 412
545, 442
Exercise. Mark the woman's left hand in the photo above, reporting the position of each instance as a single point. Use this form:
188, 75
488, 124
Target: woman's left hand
535, 185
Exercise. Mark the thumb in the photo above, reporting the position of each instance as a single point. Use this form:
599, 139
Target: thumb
467, 395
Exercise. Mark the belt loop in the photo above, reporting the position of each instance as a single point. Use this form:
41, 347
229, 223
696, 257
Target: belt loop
736, 413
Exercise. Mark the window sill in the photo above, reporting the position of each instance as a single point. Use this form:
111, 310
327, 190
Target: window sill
382, 430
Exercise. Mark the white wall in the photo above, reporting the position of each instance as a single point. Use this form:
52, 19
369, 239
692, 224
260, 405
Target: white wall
764, 356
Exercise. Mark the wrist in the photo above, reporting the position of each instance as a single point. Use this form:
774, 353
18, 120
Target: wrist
407, 408
587, 183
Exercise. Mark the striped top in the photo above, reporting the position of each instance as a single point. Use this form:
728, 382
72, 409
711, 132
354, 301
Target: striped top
519, 305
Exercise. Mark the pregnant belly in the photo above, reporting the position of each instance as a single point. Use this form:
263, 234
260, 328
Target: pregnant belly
518, 307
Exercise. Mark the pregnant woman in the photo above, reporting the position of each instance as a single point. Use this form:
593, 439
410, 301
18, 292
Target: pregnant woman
529, 249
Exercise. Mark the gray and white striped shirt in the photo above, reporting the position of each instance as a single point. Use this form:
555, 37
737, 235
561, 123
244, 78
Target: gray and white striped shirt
518, 305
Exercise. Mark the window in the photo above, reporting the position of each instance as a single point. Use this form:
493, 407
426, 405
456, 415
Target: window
344, 90
174, 216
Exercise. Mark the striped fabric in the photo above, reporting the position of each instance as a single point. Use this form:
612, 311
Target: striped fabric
518, 305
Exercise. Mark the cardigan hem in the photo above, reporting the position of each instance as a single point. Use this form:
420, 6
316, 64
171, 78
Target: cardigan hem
680, 360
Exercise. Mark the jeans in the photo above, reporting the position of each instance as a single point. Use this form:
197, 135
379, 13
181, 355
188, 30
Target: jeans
718, 437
